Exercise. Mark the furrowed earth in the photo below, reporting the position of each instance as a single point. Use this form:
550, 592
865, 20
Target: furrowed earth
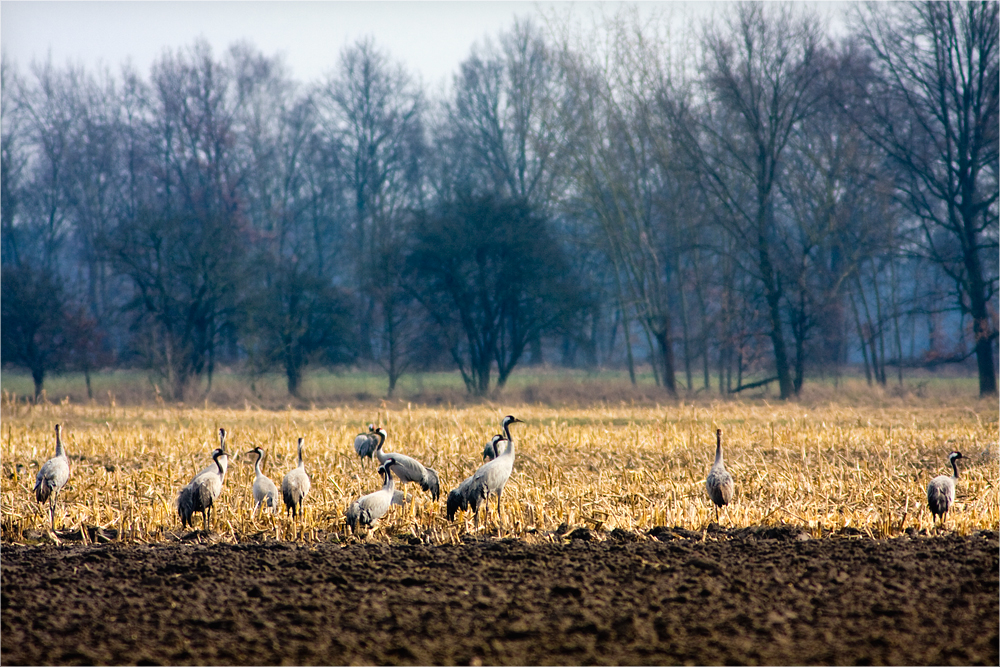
669, 596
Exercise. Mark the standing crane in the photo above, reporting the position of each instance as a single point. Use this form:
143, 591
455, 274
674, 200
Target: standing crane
264, 491
200, 493
295, 486
491, 450
368, 509
492, 476
462, 498
719, 482
52, 477
941, 491
408, 469
365, 443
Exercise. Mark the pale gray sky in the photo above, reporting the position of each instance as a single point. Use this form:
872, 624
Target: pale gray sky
431, 38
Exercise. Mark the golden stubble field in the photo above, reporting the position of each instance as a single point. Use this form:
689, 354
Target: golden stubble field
823, 468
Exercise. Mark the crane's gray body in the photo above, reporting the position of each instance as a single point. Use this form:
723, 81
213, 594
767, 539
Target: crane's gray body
368, 509
492, 476
489, 479
200, 493
265, 493
719, 483
408, 469
365, 443
941, 490
462, 498
52, 477
295, 486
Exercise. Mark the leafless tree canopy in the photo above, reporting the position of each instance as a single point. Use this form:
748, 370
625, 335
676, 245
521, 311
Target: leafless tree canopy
732, 204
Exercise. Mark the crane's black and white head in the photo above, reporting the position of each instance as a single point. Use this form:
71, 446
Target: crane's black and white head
371, 428
511, 419
492, 449
384, 468
954, 456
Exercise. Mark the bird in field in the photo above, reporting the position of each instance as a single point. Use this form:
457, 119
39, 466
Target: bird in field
492, 476
365, 443
719, 482
491, 451
408, 469
368, 509
200, 493
459, 499
265, 493
295, 486
52, 477
941, 491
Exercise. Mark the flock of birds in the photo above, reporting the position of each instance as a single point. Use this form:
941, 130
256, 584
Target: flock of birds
200, 493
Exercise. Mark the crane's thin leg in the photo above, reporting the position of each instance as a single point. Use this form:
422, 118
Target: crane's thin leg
499, 518
52, 512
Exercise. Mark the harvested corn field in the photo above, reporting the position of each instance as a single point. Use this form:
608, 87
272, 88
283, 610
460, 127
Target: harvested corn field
821, 468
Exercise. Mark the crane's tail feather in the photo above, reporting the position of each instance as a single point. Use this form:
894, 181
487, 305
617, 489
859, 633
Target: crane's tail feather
42, 491
430, 483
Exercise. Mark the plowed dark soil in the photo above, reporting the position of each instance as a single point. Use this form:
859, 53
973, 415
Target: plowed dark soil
748, 599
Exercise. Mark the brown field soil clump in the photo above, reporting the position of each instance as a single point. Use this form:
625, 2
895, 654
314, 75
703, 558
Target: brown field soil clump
766, 596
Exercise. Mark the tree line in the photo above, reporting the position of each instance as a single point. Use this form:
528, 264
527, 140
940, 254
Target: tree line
747, 203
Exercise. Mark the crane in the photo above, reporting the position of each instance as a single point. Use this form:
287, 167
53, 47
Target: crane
369, 508
941, 490
200, 493
52, 477
461, 498
493, 475
491, 450
408, 469
365, 443
295, 486
264, 491
719, 482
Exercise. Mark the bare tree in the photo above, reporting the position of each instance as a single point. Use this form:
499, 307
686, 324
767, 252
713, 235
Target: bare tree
762, 79
183, 249
371, 115
934, 106
13, 157
502, 121
614, 165
492, 277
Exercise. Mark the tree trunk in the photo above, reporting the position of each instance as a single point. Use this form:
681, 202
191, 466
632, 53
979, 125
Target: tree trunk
628, 349
293, 367
689, 381
294, 377
895, 319
38, 375
773, 296
706, 374
981, 324
861, 339
666, 349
